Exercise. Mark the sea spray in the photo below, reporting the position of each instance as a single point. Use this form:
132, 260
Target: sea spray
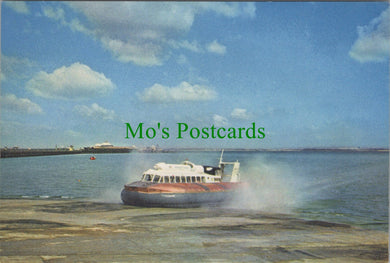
135, 165
272, 187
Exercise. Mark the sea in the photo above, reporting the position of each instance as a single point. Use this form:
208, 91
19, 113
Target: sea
340, 187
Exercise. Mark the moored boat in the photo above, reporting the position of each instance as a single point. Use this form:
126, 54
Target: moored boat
184, 185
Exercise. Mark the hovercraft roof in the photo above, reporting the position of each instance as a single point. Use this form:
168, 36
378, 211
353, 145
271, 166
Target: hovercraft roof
184, 166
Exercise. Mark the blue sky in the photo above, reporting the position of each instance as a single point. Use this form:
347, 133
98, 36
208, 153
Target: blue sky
311, 74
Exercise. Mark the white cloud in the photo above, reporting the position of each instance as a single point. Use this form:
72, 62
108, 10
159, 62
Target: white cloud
58, 14
77, 81
219, 120
241, 114
191, 46
95, 112
215, 47
232, 9
54, 13
373, 43
10, 102
183, 92
18, 6
128, 32
14, 68
146, 54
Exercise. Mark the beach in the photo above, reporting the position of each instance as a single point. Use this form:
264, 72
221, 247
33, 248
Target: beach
86, 231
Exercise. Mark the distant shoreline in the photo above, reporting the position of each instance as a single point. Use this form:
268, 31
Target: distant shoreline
281, 150
18, 152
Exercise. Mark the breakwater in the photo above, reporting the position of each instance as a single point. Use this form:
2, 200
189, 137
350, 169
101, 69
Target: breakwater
17, 152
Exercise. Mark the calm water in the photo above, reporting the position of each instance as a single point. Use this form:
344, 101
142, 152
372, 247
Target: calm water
340, 187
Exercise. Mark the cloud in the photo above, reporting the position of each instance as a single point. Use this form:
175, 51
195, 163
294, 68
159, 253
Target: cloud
128, 32
15, 68
183, 92
240, 114
78, 81
18, 6
95, 112
54, 13
373, 43
193, 46
215, 47
219, 120
230, 9
58, 14
10, 102
146, 54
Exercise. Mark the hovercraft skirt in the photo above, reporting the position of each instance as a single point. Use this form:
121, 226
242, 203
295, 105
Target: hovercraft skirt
177, 200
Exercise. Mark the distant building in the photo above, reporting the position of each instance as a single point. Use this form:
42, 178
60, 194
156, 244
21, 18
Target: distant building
103, 145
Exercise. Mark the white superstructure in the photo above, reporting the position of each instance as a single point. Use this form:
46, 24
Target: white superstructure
188, 172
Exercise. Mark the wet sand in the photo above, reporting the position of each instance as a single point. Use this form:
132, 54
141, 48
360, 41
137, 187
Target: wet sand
85, 231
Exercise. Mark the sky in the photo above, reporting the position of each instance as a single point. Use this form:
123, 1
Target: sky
307, 74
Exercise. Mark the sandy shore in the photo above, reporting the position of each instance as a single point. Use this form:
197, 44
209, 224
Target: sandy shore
84, 231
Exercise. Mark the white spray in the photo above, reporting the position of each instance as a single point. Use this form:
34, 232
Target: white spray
272, 188
136, 165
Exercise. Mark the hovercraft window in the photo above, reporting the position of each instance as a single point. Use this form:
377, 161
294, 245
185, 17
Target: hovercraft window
147, 178
193, 179
183, 179
156, 179
166, 179
177, 179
